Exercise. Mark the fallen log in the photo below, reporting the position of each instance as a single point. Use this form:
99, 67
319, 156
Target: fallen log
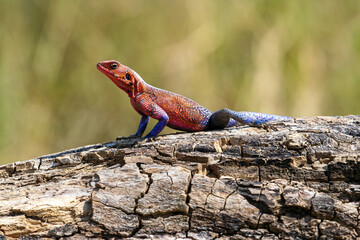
296, 179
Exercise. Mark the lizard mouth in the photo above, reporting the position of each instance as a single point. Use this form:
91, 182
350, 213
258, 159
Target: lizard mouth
103, 69
100, 66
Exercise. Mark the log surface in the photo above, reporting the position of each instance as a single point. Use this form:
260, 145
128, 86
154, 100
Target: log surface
297, 179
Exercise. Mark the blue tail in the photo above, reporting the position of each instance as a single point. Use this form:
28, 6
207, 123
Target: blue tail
252, 118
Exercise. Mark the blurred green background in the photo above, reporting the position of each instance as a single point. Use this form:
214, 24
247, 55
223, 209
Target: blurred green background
296, 58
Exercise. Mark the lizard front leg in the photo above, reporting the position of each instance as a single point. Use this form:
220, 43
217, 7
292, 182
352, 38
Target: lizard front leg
159, 114
147, 107
159, 126
142, 126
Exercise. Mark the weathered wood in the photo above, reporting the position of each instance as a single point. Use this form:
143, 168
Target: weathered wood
297, 179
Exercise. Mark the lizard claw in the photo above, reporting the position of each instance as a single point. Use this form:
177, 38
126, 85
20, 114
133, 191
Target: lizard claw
268, 127
141, 140
127, 138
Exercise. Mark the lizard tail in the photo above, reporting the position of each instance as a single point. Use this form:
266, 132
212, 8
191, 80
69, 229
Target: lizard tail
252, 118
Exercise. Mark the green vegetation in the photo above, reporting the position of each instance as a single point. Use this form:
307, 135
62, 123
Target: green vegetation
296, 58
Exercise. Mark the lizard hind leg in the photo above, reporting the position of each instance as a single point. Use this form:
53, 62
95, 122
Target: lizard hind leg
229, 118
219, 119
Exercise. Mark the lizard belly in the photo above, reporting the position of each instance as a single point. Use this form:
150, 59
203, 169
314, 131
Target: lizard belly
183, 124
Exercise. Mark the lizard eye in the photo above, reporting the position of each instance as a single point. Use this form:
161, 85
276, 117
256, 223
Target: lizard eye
128, 77
113, 66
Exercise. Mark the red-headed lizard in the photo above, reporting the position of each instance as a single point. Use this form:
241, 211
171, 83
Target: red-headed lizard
171, 109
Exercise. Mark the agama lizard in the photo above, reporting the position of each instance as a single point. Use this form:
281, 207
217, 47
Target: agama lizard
172, 109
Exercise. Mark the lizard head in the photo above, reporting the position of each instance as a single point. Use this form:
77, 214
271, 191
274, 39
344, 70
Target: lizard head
123, 76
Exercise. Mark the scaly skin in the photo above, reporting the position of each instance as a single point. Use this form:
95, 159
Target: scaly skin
172, 109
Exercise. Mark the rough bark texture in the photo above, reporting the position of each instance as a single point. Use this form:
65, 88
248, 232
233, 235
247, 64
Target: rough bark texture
298, 179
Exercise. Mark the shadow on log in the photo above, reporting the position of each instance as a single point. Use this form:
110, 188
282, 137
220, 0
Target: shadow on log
297, 179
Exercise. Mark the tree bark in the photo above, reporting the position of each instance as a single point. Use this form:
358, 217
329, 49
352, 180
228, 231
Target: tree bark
297, 179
